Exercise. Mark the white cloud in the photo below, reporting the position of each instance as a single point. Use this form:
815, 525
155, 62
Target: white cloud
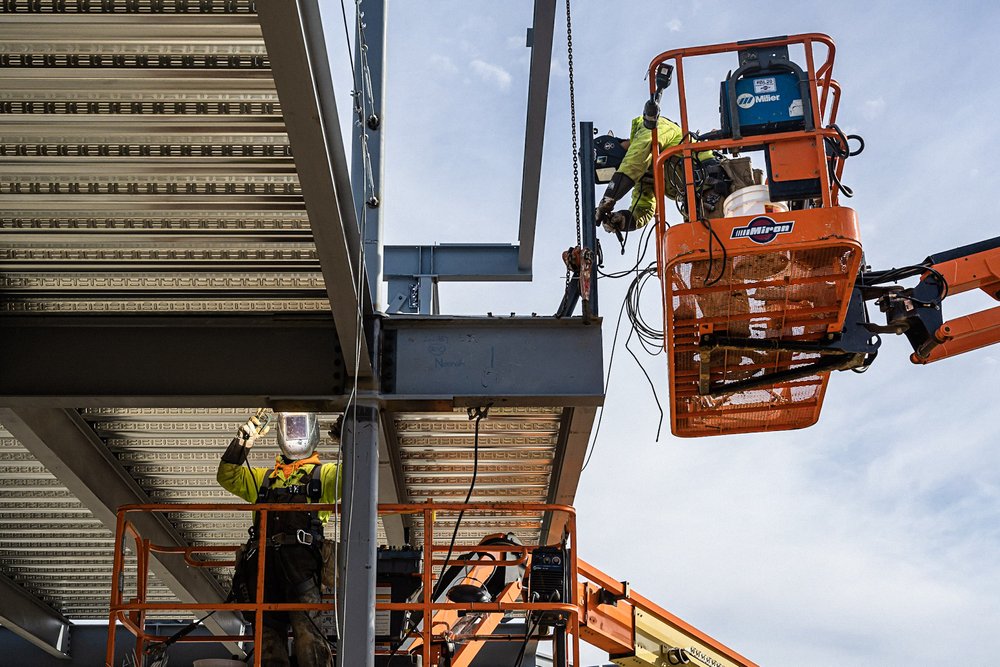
874, 108
674, 25
442, 64
491, 73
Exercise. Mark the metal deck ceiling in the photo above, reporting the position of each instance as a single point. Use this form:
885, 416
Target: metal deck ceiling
144, 163
145, 168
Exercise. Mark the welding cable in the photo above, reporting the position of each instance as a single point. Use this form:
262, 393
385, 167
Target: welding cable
607, 382
640, 254
478, 414
650, 336
528, 629
840, 148
652, 387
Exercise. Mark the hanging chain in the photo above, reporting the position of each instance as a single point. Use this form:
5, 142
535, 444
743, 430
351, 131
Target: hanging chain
572, 116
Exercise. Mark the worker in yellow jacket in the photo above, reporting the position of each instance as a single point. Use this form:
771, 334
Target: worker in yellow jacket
295, 542
628, 163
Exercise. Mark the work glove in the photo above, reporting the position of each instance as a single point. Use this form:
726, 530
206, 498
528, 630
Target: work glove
256, 427
603, 209
614, 223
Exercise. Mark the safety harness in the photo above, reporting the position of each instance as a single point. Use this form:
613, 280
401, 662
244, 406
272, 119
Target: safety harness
294, 545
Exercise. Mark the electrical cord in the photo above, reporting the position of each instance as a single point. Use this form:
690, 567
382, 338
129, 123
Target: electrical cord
641, 250
841, 149
652, 387
607, 382
478, 414
528, 629
650, 336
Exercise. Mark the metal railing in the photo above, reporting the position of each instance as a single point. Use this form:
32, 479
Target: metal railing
429, 637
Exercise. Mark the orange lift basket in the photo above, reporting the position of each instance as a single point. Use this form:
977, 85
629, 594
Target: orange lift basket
740, 294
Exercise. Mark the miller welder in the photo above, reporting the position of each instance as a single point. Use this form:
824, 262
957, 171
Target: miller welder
769, 94
548, 581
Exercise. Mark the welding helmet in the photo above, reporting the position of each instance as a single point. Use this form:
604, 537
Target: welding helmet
298, 434
609, 154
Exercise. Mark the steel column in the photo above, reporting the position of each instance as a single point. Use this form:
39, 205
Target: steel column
67, 446
587, 205
31, 619
358, 536
368, 196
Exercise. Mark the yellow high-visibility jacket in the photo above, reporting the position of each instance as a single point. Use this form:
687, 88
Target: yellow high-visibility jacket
244, 482
638, 161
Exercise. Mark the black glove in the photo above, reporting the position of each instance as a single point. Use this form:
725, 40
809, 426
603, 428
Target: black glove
618, 187
619, 221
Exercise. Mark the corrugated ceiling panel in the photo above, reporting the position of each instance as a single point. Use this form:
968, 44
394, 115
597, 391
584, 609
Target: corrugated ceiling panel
516, 453
144, 163
51, 544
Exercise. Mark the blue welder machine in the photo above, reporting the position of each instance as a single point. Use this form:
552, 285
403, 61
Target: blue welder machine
768, 93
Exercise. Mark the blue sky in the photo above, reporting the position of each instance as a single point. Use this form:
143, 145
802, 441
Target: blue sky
869, 539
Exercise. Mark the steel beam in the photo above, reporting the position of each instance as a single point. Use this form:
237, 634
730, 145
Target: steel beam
149, 361
465, 262
571, 450
67, 446
293, 34
359, 536
543, 26
413, 272
31, 619
391, 485
444, 362
408, 268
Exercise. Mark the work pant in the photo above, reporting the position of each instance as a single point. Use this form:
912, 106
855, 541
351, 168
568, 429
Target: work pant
309, 645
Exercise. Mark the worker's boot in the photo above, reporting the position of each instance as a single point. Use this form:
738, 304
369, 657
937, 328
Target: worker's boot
311, 646
274, 652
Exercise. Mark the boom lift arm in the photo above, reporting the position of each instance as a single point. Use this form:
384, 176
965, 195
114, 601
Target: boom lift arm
633, 630
917, 312
639, 633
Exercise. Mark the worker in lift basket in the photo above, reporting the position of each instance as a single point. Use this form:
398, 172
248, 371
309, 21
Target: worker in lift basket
631, 162
629, 165
298, 560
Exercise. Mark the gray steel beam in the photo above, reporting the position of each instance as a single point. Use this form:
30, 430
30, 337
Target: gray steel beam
359, 536
571, 450
444, 362
293, 34
149, 361
67, 446
31, 619
391, 484
467, 262
405, 265
543, 26
368, 200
